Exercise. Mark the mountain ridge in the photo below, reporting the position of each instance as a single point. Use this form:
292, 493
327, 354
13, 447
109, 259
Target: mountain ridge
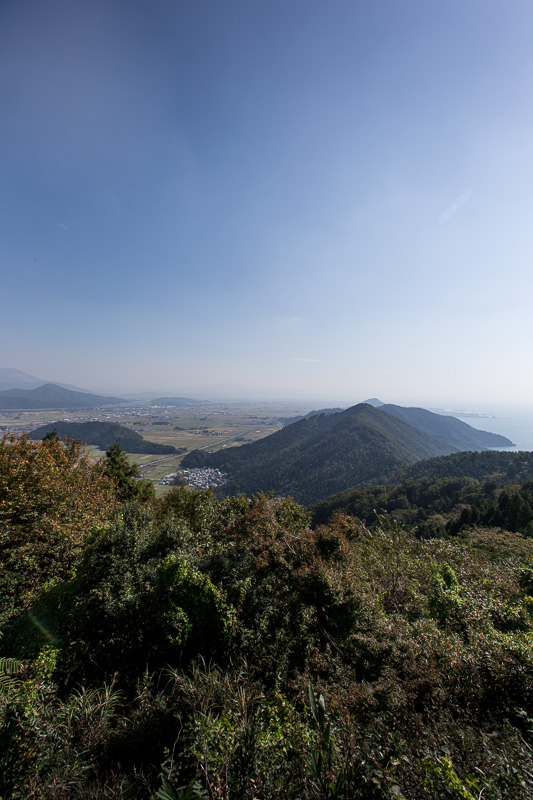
50, 396
178, 402
310, 456
11, 378
345, 449
446, 428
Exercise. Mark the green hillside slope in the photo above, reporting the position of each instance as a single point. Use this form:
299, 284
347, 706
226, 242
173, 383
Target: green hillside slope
446, 429
323, 454
438, 486
501, 467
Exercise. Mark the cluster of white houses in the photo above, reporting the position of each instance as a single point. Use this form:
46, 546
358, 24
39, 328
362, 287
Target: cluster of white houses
199, 478
204, 478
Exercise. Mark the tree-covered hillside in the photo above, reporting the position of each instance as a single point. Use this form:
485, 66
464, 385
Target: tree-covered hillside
103, 434
501, 467
445, 493
326, 411
332, 452
315, 457
446, 429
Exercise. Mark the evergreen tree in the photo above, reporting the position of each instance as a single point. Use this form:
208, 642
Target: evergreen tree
126, 475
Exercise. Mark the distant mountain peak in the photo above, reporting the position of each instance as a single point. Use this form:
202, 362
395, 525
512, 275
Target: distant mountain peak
50, 395
176, 401
11, 378
331, 452
17, 374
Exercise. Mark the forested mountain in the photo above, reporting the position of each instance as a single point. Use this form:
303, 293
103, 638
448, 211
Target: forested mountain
323, 454
491, 488
312, 456
103, 434
491, 465
410, 503
52, 396
447, 429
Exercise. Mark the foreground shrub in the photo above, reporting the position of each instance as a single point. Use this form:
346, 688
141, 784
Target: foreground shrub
217, 616
51, 497
137, 601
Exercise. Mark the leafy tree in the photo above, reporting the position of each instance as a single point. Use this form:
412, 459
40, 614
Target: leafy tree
125, 475
51, 496
137, 599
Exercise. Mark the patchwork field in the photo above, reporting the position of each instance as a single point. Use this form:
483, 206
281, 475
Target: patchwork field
212, 426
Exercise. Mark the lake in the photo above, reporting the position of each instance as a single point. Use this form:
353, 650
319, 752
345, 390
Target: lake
514, 422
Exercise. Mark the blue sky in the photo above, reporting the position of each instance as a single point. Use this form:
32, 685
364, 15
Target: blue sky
293, 198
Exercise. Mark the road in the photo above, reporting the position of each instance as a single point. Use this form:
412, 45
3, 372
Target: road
158, 462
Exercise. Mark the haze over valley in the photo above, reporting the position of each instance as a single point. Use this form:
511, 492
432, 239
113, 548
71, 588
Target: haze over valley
241, 447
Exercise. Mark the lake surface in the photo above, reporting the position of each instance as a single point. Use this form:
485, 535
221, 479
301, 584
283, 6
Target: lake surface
515, 423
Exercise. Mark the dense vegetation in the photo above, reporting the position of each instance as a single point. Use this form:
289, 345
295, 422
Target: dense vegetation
316, 457
464, 489
432, 507
192, 647
103, 434
448, 430
500, 467
50, 499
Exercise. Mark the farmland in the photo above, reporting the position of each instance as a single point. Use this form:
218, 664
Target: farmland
212, 426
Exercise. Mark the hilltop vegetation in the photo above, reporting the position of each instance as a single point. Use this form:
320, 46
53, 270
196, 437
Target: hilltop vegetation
492, 489
500, 467
448, 430
197, 647
51, 497
326, 411
103, 434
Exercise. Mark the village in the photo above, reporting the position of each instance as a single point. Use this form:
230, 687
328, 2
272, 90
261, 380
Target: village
198, 478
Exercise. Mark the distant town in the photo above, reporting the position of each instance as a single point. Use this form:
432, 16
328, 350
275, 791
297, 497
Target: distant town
199, 478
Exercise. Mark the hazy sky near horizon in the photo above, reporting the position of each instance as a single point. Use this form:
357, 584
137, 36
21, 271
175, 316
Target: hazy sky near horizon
303, 198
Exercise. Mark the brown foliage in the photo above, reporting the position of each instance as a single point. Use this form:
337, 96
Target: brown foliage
51, 496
